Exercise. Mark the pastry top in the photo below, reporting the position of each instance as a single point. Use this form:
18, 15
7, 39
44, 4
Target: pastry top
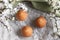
41, 21
27, 31
21, 15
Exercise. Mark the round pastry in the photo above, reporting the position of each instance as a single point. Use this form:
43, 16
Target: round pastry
41, 21
21, 15
27, 31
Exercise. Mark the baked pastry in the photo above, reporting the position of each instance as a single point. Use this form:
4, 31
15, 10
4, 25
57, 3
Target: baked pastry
21, 15
41, 21
27, 31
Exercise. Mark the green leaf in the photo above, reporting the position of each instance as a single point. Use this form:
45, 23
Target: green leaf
38, 0
44, 6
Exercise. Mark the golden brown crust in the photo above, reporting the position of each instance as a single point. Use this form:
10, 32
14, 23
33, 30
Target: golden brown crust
41, 21
27, 31
21, 15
